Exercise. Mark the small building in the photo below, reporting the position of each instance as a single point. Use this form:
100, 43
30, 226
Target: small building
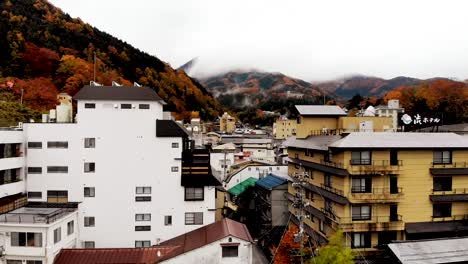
317, 119
227, 123
284, 128
222, 157
390, 110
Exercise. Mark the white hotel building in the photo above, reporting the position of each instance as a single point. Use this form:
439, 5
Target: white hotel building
125, 174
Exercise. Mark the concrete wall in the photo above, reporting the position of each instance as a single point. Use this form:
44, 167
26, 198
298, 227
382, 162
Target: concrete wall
315, 125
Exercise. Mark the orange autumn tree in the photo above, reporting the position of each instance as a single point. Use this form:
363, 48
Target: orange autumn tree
288, 250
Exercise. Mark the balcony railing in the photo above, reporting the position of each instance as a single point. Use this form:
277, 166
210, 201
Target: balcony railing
364, 190
450, 218
376, 195
367, 166
332, 189
34, 218
453, 191
330, 213
332, 164
449, 164
380, 163
359, 219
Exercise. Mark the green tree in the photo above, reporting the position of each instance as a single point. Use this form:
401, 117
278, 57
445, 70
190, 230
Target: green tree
335, 252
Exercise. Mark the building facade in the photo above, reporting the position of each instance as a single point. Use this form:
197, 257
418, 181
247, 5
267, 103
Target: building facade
284, 128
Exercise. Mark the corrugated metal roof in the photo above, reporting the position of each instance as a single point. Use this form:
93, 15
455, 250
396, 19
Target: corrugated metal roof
119, 93
110, 255
431, 251
401, 140
271, 181
320, 110
241, 187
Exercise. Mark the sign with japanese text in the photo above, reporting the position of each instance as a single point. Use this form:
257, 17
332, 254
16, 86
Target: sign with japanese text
411, 121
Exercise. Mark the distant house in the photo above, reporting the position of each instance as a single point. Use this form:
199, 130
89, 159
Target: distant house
224, 241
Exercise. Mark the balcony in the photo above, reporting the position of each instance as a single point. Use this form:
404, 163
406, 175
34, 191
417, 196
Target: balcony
454, 195
376, 195
328, 192
449, 168
324, 166
375, 223
374, 167
196, 168
450, 218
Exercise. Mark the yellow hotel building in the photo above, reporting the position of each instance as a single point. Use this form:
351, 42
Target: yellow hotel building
380, 186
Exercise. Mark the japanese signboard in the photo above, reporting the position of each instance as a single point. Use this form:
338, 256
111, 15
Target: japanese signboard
411, 121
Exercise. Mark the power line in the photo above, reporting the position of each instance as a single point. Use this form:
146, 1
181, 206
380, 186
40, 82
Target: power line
279, 244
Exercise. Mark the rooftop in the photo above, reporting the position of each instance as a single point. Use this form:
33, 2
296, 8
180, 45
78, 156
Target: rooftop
313, 142
401, 140
33, 215
118, 93
320, 110
271, 181
242, 186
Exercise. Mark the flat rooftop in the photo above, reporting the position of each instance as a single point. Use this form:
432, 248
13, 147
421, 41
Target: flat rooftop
33, 215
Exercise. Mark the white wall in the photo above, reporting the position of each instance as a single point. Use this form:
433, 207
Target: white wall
256, 172
212, 254
217, 160
10, 137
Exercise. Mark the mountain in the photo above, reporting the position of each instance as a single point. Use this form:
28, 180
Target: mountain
44, 51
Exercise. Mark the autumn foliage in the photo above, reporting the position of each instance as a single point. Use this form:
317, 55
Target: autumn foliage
288, 250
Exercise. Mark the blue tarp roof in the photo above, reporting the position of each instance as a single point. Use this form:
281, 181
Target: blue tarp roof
271, 181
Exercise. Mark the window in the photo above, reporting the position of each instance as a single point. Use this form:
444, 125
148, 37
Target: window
57, 235
442, 210
142, 217
442, 183
89, 244
34, 195
89, 105
168, 220
175, 145
321, 226
34, 145
70, 227
230, 251
175, 169
89, 142
328, 206
442, 157
143, 198
23, 239
309, 152
144, 106
296, 155
194, 218
125, 106
142, 228
360, 157
142, 243
89, 192
57, 196
57, 144
361, 212
143, 190
33, 262
14, 261
361, 240
89, 221
57, 169
361, 185
89, 167
327, 180
194, 194
34, 170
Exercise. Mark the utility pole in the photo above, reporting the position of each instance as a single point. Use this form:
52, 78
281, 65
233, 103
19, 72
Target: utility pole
300, 179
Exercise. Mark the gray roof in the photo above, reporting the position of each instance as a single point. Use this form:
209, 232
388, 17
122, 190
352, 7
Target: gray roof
401, 140
431, 251
448, 128
314, 142
117, 93
320, 110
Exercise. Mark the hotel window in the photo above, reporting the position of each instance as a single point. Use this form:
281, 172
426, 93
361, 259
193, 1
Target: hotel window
144, 106
175, 169
143, 190
360, 212
57, 196
34, 145
194, 218
125, 106
31, 262
142, 217
361, 185
89, 105
442, 157
142, 228
194, 194
361, 240
34, 195
89, 142
57, 169
175, 145
34, 170
441, 210
327, 180
361, 157
143, 199
57, 144
23, 239
89, 221
230, 251
442, 184
89, 167
168, 220
57, 235
142, 243
89, 244
89, 192
70, 227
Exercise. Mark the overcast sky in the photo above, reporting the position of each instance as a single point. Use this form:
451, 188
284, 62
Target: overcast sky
312, 40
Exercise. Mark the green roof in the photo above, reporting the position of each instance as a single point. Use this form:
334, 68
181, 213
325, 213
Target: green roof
241, 187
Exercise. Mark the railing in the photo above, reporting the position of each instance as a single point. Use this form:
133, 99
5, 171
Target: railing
330, 214
378, 163
336, 132
34, 218
332, 189
453, 191
10, 181
370, 219
364, 189
450, 218
449, 164
332, 164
